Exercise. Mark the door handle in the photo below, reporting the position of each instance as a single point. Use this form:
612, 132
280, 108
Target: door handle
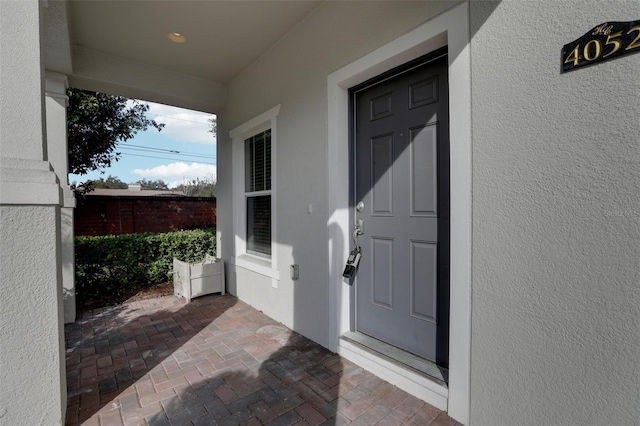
358, 230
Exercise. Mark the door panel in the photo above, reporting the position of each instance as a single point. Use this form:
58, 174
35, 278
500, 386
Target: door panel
382, 253
401, 174
424, 291
424, 176
382, 173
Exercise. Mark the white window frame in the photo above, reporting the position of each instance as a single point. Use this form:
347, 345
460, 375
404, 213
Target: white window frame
258, 193
242, 259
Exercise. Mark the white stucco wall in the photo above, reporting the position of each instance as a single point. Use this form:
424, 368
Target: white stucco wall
32, 369
556, 219
17, 50
32, 346
556, 210
294, 74
57, 153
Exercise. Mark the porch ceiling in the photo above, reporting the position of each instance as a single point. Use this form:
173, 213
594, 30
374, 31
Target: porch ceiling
122, 46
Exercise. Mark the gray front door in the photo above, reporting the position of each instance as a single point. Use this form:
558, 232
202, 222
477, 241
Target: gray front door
401, 134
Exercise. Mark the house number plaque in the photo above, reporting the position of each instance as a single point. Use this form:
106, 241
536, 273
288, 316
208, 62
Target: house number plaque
605, 41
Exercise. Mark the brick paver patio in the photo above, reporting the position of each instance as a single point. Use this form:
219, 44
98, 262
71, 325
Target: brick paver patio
218, 361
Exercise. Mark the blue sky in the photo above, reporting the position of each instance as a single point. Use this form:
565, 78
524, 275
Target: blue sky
148, 156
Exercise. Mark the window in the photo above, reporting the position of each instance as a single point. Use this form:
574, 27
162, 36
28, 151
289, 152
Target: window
257, 154
254, 195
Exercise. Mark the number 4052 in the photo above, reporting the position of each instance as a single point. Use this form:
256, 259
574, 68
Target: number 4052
593, 49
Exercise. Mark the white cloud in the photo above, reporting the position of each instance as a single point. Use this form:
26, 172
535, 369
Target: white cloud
182, 124
176, 173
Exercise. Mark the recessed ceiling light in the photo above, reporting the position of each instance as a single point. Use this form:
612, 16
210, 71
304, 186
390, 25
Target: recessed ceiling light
176, 37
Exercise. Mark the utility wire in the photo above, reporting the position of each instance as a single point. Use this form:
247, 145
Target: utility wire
172, 151
165, 158
147, 148
212, 157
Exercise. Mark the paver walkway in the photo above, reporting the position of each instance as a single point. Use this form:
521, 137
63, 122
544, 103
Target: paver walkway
218, 361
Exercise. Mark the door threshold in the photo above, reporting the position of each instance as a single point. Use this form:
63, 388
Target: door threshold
399, 357
401, 371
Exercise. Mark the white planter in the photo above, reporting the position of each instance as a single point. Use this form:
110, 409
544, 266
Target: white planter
197, 279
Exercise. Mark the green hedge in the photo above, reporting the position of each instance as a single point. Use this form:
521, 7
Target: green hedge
107, 263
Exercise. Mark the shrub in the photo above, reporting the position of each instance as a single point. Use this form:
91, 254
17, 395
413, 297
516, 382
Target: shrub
106, 264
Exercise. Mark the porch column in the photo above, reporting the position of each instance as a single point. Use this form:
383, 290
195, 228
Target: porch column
32, 370
56, 108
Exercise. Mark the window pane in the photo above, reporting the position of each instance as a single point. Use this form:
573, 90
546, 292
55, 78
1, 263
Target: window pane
258, 162
248, 165
267, 164
259, 225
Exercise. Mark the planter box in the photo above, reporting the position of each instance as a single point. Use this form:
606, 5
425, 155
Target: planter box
197, 279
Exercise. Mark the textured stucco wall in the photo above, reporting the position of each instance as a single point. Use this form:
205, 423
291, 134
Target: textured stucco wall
17, 52
31, 364
57, 154
556, 220
294, 74
32, 370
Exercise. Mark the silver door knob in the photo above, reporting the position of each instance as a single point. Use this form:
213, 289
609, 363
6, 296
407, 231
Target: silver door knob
360, 207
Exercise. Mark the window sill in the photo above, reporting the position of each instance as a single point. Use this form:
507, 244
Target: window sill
257, 265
